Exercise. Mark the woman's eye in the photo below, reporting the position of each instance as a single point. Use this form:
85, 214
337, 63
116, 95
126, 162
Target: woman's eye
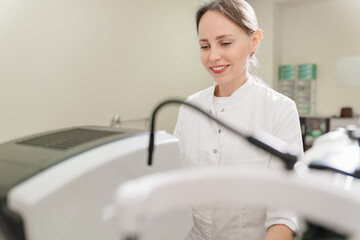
225, 43
204, 47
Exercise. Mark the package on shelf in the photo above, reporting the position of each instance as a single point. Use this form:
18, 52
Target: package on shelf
297, 82
307, 71
287, 72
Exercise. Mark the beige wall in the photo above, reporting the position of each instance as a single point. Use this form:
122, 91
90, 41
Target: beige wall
265, 13
79, 62
323, 32
312, 31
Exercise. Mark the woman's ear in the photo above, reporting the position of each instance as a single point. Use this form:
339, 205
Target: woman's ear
255, 40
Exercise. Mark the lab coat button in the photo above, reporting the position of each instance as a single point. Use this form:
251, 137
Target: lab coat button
210, 112
215, 151
219, 131
222, 110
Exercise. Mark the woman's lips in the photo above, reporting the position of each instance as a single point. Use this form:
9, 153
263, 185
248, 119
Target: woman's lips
219, 68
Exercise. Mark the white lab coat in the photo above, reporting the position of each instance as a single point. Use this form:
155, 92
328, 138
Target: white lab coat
253, 106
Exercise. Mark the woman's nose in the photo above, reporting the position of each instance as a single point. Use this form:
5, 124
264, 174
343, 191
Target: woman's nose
214, 55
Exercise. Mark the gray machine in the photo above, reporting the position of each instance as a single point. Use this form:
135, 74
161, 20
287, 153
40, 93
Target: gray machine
55, 185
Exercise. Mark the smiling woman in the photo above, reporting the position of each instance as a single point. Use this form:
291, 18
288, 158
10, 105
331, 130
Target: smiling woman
229, 36
225, 51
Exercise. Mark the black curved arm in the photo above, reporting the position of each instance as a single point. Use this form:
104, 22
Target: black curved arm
288, 159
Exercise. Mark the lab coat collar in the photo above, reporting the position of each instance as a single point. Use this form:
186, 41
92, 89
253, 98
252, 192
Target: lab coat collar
238, 96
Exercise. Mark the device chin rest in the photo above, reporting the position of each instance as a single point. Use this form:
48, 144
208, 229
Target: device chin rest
337, 151
323, 164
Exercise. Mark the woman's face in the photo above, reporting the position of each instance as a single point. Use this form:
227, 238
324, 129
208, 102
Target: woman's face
225, 48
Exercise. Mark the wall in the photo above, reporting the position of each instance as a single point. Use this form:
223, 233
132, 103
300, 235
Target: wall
265, 13
79, 62
322, 32
312, 31
68, 63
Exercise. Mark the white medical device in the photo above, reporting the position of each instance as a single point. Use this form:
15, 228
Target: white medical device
54, 185
330, 199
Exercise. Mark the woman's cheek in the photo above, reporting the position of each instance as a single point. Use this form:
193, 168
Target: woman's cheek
204, 58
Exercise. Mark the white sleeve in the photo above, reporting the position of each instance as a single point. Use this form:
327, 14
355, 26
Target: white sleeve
287, 128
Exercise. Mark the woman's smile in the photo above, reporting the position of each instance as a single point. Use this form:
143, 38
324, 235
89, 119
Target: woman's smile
217, 69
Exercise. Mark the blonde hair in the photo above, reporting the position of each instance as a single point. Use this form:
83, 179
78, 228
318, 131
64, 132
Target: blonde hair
238, 11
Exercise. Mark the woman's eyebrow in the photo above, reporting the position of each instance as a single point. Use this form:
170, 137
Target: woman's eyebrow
217, 38
223, 36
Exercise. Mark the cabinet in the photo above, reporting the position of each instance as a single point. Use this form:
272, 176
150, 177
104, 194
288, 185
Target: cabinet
298, 83
313, 126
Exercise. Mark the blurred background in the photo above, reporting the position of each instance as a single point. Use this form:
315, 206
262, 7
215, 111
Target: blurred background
80, 62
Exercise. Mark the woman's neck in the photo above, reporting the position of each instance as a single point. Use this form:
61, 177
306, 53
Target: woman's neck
227, 89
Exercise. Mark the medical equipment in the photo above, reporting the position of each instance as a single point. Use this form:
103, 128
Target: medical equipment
318, 197
326, 198
54, 185
337, 151
139, 200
